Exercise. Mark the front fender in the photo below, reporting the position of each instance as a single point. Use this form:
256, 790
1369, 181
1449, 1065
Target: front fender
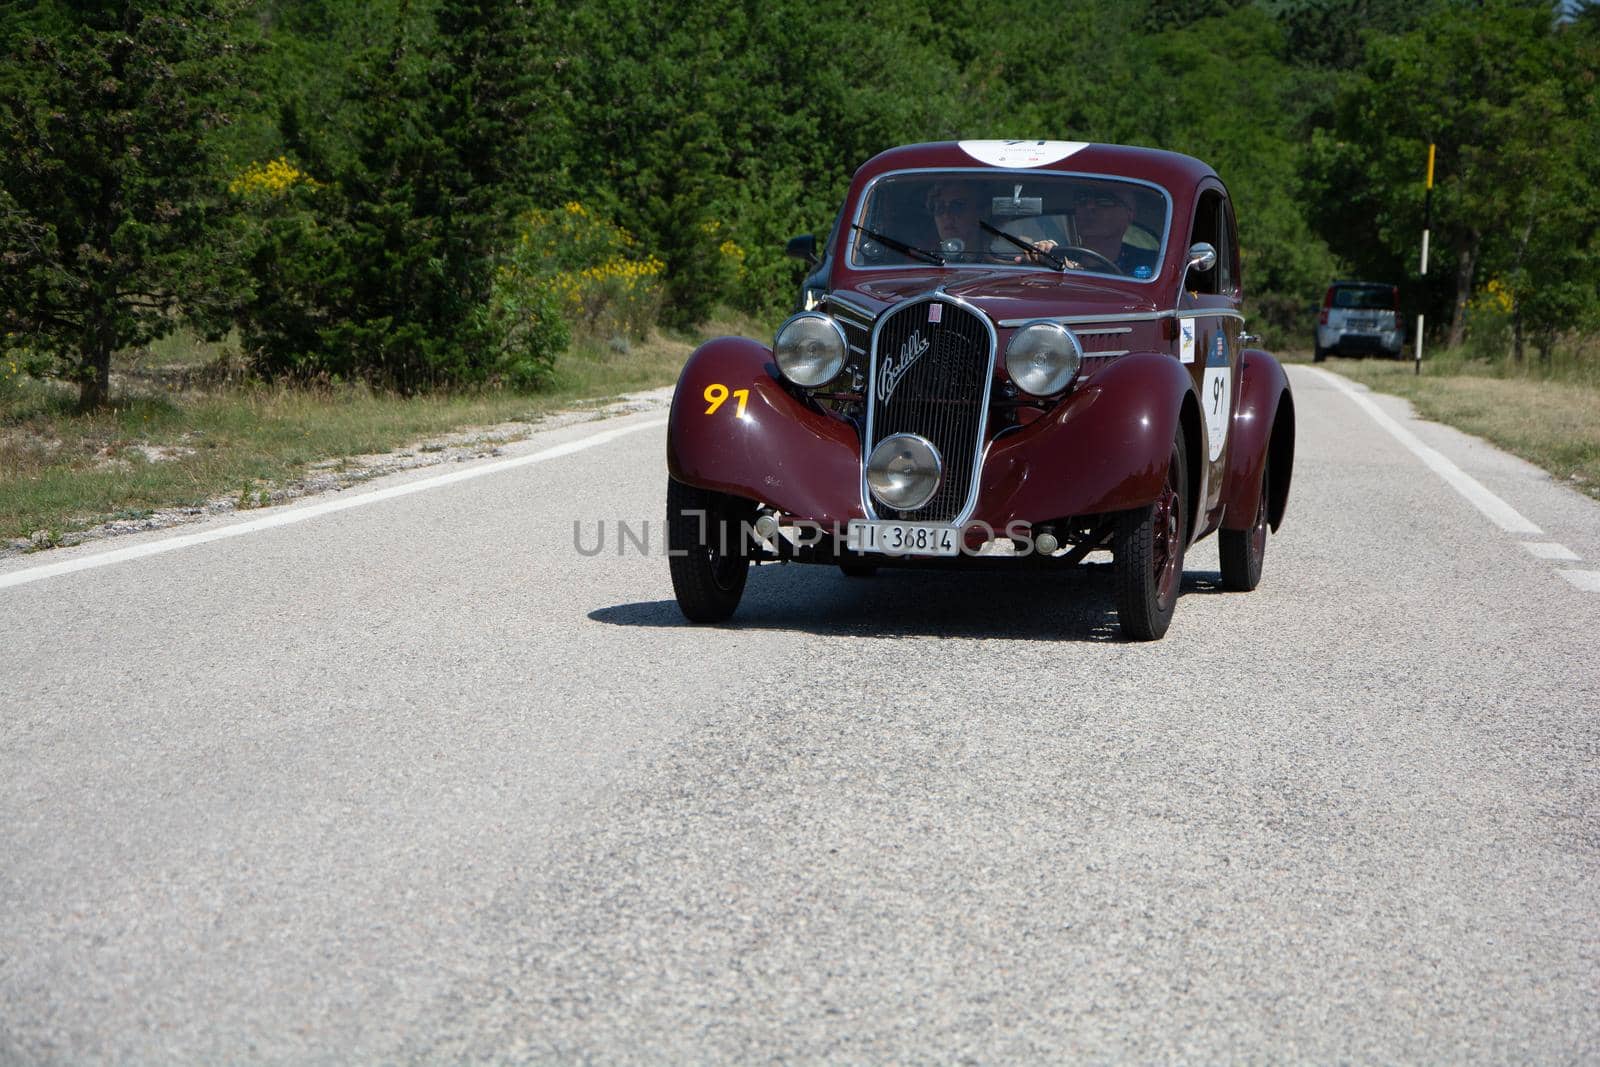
1263, 426
1105, 448
779, 450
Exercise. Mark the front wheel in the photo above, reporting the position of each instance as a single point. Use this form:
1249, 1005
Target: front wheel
708, 552
1148, 552
1243, 551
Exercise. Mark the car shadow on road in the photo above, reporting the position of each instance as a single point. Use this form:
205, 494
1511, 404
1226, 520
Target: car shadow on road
1031, 606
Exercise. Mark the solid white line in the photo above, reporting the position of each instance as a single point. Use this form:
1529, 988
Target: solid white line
1498, 511
1549, 550
1588, 581
292, 515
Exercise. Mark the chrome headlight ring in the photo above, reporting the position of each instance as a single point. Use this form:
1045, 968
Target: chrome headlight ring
1043, 357
809, 349
904, 471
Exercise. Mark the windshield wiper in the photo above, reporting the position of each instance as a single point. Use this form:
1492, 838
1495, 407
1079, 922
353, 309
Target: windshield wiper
1027, 246
901, 247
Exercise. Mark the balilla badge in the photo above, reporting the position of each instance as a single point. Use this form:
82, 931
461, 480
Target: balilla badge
896, 367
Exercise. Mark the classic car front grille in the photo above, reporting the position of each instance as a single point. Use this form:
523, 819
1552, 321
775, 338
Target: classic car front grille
931, 368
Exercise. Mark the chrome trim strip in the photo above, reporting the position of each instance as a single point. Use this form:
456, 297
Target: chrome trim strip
971, 504
1109, 330
1107, 354
864, 318
1028, 173
1130, 316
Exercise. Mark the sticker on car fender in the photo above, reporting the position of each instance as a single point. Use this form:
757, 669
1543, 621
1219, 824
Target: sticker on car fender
1186, 340
1216, 395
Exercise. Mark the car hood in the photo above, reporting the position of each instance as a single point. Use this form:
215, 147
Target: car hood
1003, 295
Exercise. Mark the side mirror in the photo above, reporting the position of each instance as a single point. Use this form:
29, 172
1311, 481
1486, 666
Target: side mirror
1202, 257
803, 247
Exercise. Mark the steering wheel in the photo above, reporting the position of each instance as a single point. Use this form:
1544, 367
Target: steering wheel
1073, 252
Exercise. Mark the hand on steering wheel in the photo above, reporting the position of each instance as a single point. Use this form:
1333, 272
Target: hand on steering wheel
1075, 254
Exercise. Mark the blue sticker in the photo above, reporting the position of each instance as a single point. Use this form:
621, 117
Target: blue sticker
1219, 351
1142, 271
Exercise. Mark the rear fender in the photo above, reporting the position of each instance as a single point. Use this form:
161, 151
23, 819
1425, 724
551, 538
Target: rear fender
778, 450
1263, 426
1105, 448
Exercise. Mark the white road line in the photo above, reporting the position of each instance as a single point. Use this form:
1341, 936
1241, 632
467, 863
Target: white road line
1549, 550
1498, 511
1588, 581
290, 516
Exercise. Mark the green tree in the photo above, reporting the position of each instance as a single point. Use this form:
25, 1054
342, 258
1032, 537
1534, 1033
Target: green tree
456, 131
1480, 81
1548, 256
110, 178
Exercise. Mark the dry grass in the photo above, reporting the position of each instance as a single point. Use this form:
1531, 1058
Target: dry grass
183, 430
1553, 423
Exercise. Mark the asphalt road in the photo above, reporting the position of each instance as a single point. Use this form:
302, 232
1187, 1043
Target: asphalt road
416, 781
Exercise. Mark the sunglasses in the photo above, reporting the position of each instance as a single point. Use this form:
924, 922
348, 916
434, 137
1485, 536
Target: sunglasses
1097, 199
957, 206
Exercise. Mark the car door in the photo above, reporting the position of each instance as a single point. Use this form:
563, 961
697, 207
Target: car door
1209, 325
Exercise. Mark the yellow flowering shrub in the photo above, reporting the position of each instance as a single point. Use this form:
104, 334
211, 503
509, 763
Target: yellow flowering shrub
272, 178
604, 285
1495, 296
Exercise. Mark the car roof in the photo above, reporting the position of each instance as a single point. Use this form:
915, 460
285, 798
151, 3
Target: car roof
1171, 170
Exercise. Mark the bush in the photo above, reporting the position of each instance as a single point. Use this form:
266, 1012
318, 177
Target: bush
1489, 323
524, 318
583, 267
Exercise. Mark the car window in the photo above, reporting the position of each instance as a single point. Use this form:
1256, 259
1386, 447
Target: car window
1363, 298
1209, 227
1097, 224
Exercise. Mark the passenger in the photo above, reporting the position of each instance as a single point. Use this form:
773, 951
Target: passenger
953, 206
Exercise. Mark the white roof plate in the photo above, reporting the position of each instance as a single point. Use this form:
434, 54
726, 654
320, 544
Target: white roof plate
1021, 153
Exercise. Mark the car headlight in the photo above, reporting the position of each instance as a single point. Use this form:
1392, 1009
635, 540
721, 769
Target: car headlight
1043, 358
904, 471
809, 348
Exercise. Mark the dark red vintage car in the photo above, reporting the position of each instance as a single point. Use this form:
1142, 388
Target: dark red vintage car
1010, 353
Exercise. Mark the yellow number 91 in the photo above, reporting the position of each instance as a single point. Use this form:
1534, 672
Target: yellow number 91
715, 394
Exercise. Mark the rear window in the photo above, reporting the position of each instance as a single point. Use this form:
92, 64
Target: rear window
1366, 297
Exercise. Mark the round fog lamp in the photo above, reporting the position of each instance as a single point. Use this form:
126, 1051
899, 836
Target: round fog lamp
809, 349
904, 471
1043, 358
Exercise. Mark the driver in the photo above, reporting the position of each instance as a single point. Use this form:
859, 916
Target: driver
1103, 214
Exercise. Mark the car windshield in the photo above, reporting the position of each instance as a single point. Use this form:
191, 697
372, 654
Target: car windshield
1024, 219
1365, 298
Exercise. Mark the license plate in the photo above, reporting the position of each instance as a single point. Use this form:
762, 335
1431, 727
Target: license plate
903, 538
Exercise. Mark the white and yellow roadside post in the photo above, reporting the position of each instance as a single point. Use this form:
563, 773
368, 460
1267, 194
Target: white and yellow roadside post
1427, 221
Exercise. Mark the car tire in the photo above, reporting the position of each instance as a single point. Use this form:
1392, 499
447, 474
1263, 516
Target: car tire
1243, 551
1147, 550
708, 552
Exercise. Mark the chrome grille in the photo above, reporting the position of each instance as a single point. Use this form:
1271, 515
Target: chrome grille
932, 362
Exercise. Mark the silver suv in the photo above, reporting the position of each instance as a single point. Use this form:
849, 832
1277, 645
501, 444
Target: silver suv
1359, 318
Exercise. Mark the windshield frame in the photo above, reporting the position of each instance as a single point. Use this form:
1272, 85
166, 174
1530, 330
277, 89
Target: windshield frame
991, 173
